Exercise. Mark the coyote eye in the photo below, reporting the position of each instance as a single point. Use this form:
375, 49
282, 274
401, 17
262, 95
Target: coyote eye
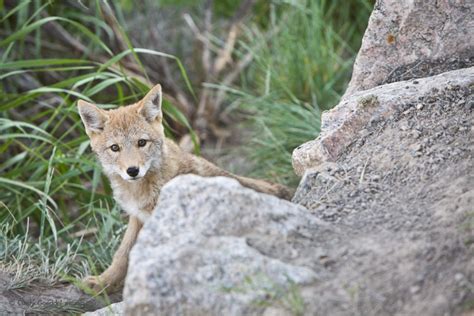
141, 142
115, 147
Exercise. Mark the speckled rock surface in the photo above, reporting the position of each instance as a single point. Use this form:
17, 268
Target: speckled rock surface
341, 126
115, 309
214, 247
414, 39
402, 192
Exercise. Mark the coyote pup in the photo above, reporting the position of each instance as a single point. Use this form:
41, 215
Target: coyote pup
131, 146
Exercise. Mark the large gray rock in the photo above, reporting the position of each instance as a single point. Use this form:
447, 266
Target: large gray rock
403, 191
214, 247
115, 309
342, 125
414, 39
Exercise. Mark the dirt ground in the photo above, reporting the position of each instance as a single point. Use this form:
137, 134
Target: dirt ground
403, 194
40, 299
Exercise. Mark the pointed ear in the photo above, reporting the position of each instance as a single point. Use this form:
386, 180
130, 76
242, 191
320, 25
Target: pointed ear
92, 117
151, 105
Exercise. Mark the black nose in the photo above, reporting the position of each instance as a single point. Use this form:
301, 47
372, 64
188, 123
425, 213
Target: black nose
133, 171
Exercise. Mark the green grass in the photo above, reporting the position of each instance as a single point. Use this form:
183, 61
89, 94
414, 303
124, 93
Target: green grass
299, 71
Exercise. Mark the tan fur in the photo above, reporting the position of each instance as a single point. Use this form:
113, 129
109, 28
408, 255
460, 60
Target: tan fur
159, 161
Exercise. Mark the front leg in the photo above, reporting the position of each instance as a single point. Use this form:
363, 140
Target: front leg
112, 279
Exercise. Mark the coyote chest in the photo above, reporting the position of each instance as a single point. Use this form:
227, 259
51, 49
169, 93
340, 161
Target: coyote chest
136, 201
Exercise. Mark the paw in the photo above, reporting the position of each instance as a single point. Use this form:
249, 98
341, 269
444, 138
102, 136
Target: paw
96, 283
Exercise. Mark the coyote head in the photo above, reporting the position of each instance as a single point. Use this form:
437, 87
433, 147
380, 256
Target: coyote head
128, 140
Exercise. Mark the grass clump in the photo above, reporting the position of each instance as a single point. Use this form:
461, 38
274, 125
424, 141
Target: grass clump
302, 64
